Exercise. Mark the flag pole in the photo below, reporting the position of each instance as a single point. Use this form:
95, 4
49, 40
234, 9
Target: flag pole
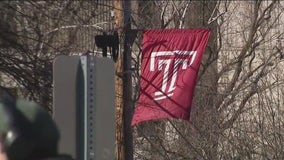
127, 84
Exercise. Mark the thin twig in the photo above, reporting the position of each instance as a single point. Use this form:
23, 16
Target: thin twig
181, 21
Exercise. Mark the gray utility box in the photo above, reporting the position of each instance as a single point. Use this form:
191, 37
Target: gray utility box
84, 106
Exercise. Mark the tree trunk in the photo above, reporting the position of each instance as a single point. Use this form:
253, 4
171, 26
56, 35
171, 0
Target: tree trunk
204, 116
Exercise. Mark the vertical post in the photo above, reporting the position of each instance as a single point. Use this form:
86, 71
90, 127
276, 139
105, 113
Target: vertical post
127, 84
123, 83
118, 14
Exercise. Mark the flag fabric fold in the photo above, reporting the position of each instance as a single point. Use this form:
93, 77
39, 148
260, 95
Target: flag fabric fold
170, 64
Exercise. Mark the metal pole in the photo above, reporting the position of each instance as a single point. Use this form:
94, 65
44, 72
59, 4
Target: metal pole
127, 84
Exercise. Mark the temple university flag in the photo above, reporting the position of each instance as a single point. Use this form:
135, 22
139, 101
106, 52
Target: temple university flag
170, 63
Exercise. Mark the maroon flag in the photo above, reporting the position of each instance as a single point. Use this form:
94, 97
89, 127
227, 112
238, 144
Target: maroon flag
170, 63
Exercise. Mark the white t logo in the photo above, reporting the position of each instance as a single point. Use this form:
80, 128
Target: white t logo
163, 93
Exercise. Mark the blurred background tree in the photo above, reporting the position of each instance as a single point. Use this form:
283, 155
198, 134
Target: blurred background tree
238, 105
